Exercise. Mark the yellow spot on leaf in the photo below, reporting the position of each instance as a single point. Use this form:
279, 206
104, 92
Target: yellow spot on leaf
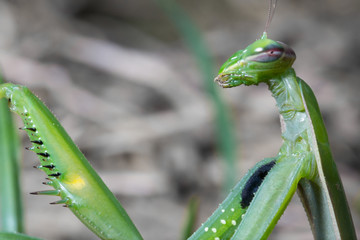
75, 181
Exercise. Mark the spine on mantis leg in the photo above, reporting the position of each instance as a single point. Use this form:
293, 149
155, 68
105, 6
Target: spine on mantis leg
68, 171
225, 220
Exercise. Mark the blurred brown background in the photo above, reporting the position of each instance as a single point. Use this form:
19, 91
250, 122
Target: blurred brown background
120, 79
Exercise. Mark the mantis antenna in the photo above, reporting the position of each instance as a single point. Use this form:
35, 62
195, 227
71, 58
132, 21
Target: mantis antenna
272, 6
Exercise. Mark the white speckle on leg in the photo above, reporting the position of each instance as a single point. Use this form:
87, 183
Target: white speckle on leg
233, 222
222, 210
223, 221
206, 229
214, 230
232, 209
216, 238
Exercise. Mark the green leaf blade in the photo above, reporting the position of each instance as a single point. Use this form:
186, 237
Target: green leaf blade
10, 194
16, 236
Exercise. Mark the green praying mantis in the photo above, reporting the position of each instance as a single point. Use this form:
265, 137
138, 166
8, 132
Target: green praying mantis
304, 161
255, 204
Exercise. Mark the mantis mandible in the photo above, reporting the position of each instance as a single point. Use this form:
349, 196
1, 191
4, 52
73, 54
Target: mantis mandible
304, 160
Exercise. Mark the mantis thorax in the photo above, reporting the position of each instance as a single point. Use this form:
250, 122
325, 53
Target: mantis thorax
295, 123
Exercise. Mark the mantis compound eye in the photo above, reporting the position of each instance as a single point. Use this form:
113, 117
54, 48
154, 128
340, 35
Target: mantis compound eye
271, 53
268, 55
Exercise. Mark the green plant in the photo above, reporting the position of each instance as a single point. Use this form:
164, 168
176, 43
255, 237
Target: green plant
11, 201
224, 126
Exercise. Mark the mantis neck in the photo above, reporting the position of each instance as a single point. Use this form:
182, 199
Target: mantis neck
294, 120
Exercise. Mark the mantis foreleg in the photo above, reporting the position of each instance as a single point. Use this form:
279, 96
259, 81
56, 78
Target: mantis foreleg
224, 221
272, 197
68, 171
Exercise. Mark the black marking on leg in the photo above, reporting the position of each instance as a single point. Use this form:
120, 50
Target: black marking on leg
39, 142
44, 154
253, 183
51, 166
31, 129
54, 174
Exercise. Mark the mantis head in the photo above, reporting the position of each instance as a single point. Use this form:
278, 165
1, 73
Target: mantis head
258, 62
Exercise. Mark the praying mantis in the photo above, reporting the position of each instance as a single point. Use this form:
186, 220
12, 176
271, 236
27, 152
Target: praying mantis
304, 161
255, 204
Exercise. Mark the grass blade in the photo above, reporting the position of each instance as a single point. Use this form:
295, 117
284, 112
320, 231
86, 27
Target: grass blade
197, 46
16, 236
191, 217
10, 195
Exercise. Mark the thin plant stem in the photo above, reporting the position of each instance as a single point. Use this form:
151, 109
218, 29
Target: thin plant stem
224, 126
10, 195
